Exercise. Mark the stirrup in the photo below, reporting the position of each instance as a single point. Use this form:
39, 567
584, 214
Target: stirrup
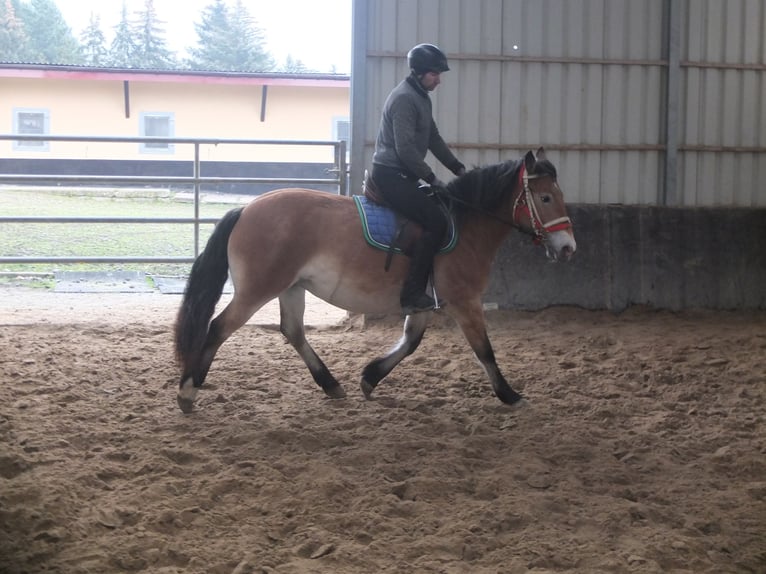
438, 304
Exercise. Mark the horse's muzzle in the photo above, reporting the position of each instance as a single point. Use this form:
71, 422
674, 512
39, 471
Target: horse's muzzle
560, 250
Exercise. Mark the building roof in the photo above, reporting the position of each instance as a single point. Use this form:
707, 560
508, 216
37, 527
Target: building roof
59, 71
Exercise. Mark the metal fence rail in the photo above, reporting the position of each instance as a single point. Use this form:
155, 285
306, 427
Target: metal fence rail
340, 171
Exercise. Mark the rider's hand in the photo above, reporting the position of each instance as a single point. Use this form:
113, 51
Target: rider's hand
438, 183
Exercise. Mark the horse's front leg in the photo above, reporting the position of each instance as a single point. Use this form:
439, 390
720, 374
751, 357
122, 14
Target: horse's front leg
470, 317
376, 370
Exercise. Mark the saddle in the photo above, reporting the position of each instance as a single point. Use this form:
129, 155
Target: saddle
385, 229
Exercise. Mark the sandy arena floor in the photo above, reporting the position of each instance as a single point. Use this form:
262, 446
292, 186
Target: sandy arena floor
643, 448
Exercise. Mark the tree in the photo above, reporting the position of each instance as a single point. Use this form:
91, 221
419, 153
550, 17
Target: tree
229, 40
248, 46
151, 47
213, 32
50, 38
123, 47
14, 42
93, 42
294, 66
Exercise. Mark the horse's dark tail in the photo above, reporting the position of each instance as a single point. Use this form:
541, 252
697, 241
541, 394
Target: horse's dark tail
203, 290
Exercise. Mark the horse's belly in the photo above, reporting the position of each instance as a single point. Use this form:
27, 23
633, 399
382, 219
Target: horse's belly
359, 289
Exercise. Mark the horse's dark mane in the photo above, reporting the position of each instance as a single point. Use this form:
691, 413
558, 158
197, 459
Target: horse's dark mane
486, 187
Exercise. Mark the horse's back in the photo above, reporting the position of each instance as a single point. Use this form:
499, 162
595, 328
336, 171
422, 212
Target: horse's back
289, 210
293, 195
289, 227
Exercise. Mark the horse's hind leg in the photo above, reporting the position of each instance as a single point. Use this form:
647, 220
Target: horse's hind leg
234, 316
375, 371
292, 304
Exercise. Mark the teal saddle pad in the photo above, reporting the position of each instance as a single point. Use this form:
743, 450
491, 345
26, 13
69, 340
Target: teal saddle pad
380, 225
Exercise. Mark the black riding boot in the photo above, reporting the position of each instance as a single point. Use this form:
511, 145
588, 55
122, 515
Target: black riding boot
413, 298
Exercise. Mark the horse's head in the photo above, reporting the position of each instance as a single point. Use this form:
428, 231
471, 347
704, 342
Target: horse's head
539, 208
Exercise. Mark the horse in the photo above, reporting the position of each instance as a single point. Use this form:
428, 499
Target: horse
289, 241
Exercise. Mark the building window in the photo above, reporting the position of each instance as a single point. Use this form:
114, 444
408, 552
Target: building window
157, 125
341, 131
31, 122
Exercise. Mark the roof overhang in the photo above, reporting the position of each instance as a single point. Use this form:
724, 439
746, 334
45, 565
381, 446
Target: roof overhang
33, 71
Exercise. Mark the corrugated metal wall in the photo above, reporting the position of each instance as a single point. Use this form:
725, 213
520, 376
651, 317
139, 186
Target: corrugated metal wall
616, 89
723, 103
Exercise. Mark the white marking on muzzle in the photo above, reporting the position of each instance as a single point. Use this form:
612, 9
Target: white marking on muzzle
557, 242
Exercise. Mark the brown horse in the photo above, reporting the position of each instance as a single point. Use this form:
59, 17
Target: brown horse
290, 241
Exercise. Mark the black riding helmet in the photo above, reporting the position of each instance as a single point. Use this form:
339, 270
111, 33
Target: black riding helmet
425, 58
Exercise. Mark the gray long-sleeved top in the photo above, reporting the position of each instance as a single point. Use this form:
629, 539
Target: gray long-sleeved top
407, 132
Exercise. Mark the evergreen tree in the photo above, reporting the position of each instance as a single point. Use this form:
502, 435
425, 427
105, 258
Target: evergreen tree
14, 42
93, 42
294, 66
50, 38
247, 42
123, 47
213, 33
151, 47
229, 40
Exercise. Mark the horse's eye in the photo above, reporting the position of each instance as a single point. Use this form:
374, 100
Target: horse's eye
545, 199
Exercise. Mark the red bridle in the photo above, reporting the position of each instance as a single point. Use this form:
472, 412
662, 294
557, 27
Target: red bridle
524, 204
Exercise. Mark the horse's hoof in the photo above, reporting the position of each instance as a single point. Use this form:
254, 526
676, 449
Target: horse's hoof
522, 403
186, 405
367, 389
337, 392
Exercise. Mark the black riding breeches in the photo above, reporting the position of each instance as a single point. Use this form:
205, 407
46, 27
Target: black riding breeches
404, 196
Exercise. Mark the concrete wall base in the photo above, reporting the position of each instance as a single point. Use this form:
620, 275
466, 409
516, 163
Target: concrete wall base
667, 258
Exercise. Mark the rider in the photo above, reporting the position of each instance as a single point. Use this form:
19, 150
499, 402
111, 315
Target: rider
407, 132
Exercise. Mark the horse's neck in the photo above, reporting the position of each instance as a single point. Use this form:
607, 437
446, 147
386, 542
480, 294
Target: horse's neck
485, 234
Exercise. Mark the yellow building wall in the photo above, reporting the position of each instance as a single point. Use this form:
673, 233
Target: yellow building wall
200, 110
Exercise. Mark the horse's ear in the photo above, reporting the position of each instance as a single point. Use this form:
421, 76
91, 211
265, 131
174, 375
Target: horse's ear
529, 161
541, 154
